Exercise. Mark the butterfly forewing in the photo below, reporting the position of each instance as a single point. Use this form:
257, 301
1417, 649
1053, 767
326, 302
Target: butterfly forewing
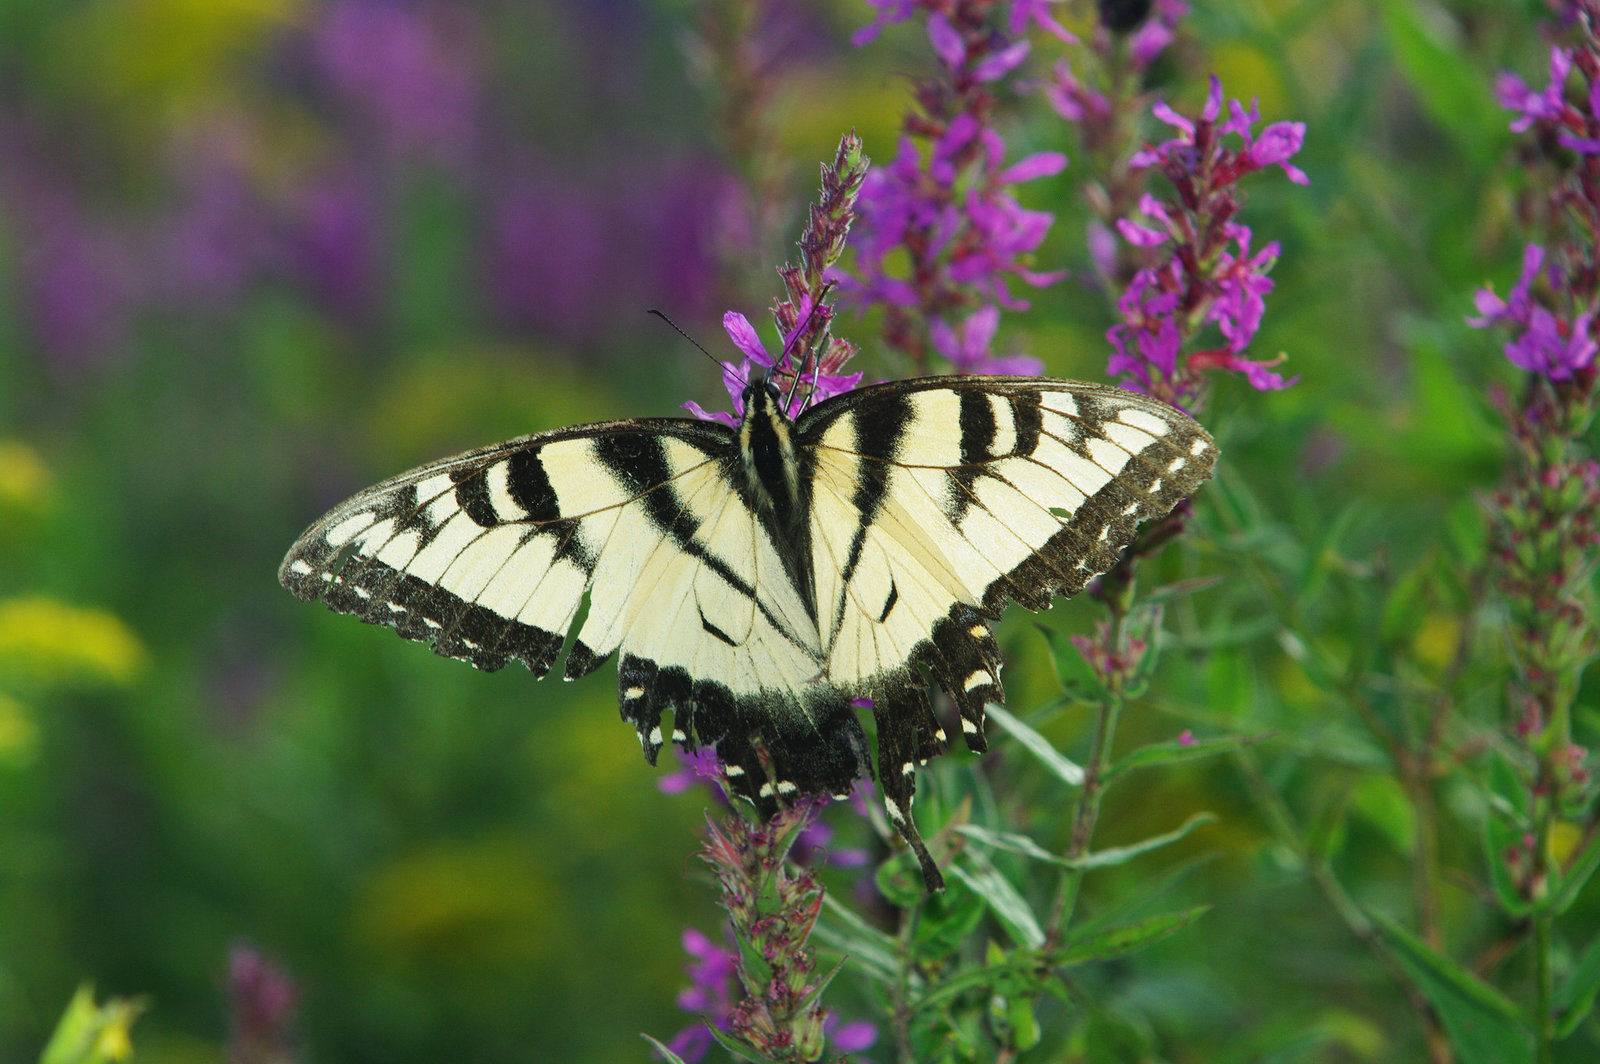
923, 507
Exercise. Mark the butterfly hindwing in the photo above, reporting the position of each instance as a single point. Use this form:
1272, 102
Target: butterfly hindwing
937, 500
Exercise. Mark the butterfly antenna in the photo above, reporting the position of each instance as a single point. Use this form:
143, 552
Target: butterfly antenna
816, 361
698, 346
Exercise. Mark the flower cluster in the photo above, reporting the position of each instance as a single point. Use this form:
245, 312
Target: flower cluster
945, 205
1200, 265
806, 367
772, 909
1551, 311
1543, 522
1556, 346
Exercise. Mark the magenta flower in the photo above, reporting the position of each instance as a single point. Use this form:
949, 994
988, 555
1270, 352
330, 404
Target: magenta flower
700, 765
712, 973
1242, 286
1549, 104
813, 388
1200, 268
1543, 342
1159, 29
967, 345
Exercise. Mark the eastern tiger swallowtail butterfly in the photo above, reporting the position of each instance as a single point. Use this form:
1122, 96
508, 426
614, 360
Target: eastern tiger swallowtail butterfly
760, 581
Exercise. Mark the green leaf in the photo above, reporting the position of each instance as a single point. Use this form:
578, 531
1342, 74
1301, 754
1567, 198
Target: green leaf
1499, 837
1037, 745
1483, 1026
1115, 941
1009, 907
1022, 844
1169, 752
1012, 843
947, 920
1426, 46
90, 1033
1382, 803
846, 933
899, 880
666, 1054
1077, 676
1578, 873
1575, 999
1123, 854
739, 1050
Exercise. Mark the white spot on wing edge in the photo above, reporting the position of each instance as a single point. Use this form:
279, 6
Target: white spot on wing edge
1199, 446
633, 692
655, 736
301, 566
978, 679
969, 727
731, 770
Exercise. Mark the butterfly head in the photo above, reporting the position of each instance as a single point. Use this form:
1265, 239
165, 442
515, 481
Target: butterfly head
762, 399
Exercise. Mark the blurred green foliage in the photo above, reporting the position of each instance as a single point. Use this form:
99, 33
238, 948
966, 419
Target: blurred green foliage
202, 347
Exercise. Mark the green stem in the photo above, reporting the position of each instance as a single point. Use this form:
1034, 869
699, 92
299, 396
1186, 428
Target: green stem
1544, 920
1087, 812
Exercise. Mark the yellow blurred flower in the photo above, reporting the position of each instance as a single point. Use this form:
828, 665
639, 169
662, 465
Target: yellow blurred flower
25, 481
19, 736
50, 642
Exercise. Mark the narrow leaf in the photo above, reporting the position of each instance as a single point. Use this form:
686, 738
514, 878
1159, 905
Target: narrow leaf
739, 1050
1123, 854
1578, 872
1037, 745
1022, 844
1575, 999
846, 933
1483, 1026
1013, 843
1009, 907
1169, 752
1115, 941
666, 1054
1498, 839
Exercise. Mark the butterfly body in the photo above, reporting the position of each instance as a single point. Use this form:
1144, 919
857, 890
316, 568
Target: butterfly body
759, 580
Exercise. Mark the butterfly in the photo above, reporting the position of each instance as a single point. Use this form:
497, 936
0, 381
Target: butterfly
761, 582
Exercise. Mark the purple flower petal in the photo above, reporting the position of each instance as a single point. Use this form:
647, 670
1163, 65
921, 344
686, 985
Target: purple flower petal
744, 337
947, 43
1040, 164
1138, 235
1001, 63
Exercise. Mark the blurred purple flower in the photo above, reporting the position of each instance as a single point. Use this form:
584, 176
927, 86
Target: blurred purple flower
889, 12
700, 765
712, 971
1024, 12
1543, 343
262, 1002
1549, 104
849, 1037
1157, 31
411, 68
1074, 100
333, 243
967, 345
547, 264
